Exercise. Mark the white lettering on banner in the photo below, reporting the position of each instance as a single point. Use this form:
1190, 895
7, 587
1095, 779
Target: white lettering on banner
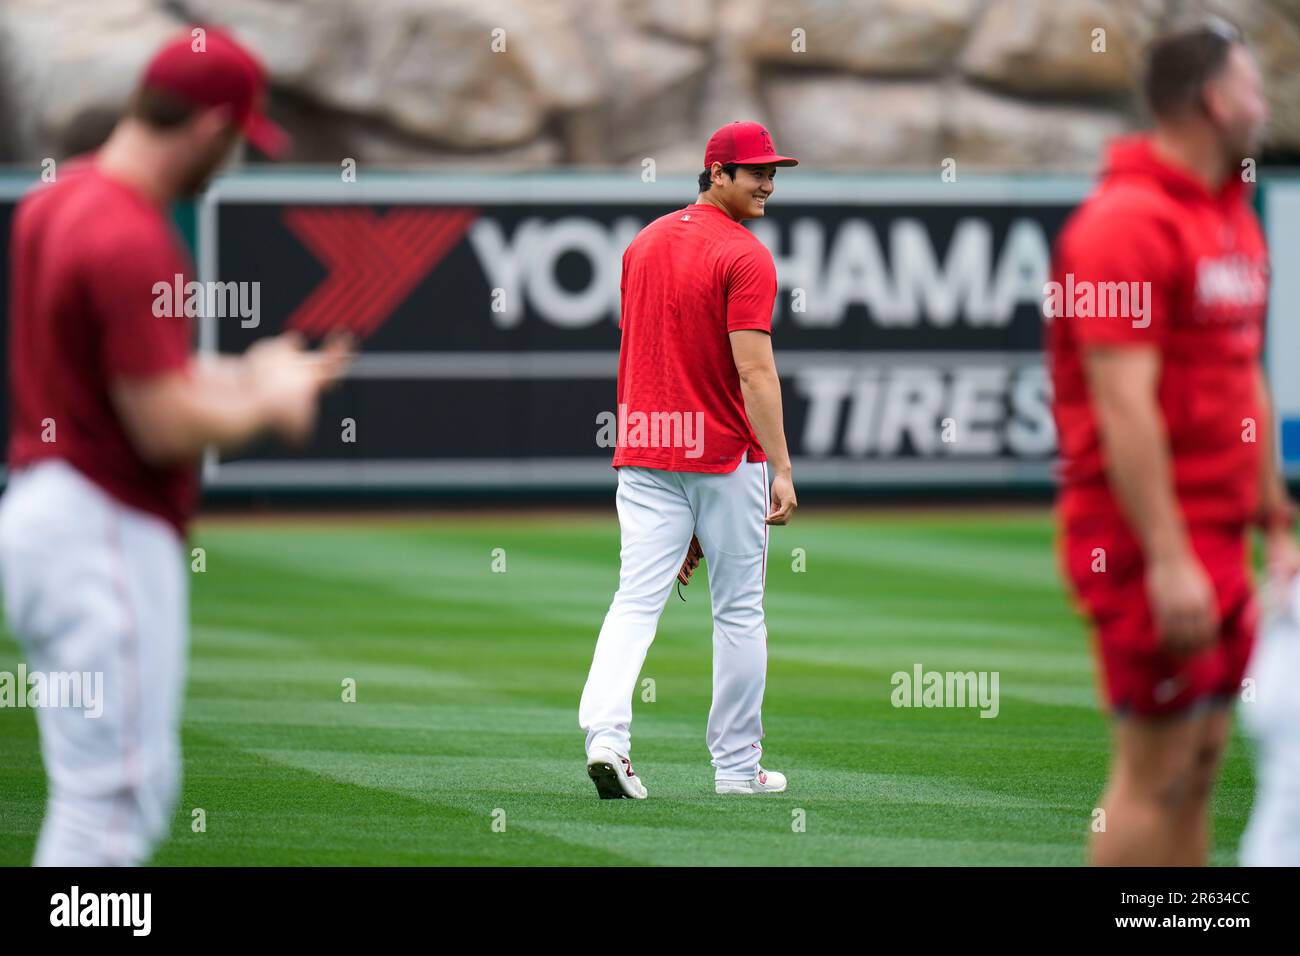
913, 404
503, 264
528, 264
961, 284
997, 409
913, 288
975, 283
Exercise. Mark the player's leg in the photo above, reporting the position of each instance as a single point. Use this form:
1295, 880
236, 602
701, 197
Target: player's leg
94, 588
655, 524
156, 583
1192, 823
1157, 701
61, 604
1150, 777
1225, 558
1272, 718
1272, 837
729, 512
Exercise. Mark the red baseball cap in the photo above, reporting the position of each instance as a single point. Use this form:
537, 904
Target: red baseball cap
746, 143
215, 70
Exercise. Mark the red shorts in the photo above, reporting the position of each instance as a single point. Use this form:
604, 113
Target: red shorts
1138, 677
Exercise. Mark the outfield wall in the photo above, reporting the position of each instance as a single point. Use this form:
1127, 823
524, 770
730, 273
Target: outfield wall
488, 308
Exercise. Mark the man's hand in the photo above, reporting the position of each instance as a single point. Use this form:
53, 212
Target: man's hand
783, 500
1183, 604
1283, 555
288, 380
228, 400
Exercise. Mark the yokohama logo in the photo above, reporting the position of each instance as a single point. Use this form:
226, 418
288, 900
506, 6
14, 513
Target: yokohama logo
374, 261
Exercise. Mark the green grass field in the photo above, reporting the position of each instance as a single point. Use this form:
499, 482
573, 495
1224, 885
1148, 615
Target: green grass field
468, 684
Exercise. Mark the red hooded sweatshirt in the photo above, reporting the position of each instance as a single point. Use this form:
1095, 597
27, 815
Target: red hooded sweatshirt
1153, 259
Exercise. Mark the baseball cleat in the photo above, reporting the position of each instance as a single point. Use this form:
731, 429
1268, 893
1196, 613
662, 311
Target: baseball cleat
613, 776
765, 781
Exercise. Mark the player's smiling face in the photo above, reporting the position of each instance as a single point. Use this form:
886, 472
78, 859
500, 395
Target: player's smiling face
746, 196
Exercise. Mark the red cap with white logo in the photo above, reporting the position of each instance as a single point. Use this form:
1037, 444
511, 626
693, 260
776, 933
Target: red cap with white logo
748, 144
213, 69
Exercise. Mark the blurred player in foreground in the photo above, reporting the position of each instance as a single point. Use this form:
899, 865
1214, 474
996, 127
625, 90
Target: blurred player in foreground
1272, 837
1156, 312
110, 411
696, 361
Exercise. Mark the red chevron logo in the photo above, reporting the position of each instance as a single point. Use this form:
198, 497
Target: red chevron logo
374, 262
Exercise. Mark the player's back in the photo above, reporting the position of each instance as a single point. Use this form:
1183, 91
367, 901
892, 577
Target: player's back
677, 262
691, 278
675, 283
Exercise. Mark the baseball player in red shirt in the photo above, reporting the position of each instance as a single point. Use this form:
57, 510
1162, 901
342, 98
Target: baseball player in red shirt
1155, 312
700, 424
109, 412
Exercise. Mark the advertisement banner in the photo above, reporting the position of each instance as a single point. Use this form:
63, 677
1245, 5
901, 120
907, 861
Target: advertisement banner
907, 329
907, 326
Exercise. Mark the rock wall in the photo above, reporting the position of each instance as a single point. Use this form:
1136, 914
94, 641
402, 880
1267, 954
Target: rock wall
851, 84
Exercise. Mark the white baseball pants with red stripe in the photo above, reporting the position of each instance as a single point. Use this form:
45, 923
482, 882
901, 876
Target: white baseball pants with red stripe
94, 586
657, 512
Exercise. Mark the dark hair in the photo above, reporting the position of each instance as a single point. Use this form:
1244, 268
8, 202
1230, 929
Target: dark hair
88, 130
160, 110
706, 177
1178, 65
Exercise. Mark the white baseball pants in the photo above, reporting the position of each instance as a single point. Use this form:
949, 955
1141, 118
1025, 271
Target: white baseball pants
657, 512
92, 585
1272, 837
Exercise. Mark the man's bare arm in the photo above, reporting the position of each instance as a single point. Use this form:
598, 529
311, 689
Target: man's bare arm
226, 401
1123, 386
171, 418
761, 388
1122, 383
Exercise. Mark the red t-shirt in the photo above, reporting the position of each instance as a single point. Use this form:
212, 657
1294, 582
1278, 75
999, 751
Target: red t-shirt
689, 279
86, 253
1205, 258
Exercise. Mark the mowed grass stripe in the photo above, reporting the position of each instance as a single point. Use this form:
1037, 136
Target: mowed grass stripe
468, 684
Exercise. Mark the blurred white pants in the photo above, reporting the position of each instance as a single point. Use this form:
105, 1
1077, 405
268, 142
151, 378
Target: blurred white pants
92, 585
1272, 837
657, 512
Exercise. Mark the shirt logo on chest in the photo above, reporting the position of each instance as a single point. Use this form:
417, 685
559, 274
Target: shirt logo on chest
1227, 284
